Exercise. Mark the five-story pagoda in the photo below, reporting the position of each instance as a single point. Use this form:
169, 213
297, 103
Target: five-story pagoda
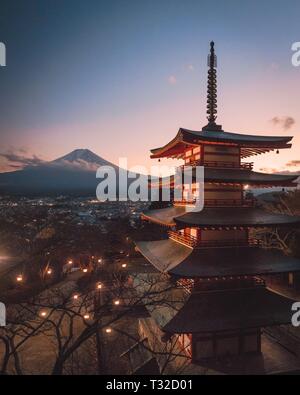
220, 303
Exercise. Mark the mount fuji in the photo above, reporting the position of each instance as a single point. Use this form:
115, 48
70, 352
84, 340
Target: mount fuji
74, 173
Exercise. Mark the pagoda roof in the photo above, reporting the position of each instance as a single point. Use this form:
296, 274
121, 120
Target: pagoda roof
219, 217
177, 310
225, 310
239, 176
248, 177
174, 258
238, 216
250, 144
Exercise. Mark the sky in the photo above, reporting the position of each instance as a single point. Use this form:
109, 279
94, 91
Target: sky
120, 77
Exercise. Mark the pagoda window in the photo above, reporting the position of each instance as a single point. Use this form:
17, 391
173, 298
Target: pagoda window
192, 155
238, 235
226, 156
185, 342
194, 232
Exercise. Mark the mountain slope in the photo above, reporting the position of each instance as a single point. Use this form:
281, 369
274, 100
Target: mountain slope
72, 173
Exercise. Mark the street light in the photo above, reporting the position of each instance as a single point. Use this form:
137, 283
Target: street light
20, 278
43, 313
108, 330
99, 260
76, 296
124, 265
116, 302
86, 316
99, 286
70, 262
85, 270
49, 271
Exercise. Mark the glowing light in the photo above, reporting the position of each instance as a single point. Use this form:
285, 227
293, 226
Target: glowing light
76, 296
85, 270
20, 278
117, 302
124, 265
246, 187
99, 286
70, 262
86, 316
49, 271
108, 330
43, 313
99, 260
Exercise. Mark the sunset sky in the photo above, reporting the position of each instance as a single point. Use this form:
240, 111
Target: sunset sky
121, 76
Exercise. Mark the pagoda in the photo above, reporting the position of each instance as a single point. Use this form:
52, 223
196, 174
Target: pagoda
219, 302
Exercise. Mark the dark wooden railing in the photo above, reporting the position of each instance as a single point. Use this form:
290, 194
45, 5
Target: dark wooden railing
218, 202
229, 243
229, 202
221, 165
187, 240
230, 165
193, 242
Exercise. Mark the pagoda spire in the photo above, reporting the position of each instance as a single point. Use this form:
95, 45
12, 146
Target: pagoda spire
212, 90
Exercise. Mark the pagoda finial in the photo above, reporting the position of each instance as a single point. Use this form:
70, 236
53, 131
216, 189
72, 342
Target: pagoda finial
212, 90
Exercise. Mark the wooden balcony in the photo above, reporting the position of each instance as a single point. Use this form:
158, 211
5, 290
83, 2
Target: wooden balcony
193, 242
229, 165
188, 240
229, 243
221, 165
229, 202
217, 202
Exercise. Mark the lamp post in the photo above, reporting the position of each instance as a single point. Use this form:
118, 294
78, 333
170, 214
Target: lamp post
98, 302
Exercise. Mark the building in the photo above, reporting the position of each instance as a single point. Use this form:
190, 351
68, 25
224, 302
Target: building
219, 302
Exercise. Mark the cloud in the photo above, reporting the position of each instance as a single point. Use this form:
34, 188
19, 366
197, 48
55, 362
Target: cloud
268, 170
172, 80
75, 165
191, 67
17, 159
293, 163
284, 122
281, 172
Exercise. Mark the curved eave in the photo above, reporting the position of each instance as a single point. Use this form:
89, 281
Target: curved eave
225, 217
170, 257
251, 145
217, 311
235, 217
237, 176
164, 216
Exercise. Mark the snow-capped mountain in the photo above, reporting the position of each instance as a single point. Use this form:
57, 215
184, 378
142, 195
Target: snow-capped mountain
74, 172
82, 157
